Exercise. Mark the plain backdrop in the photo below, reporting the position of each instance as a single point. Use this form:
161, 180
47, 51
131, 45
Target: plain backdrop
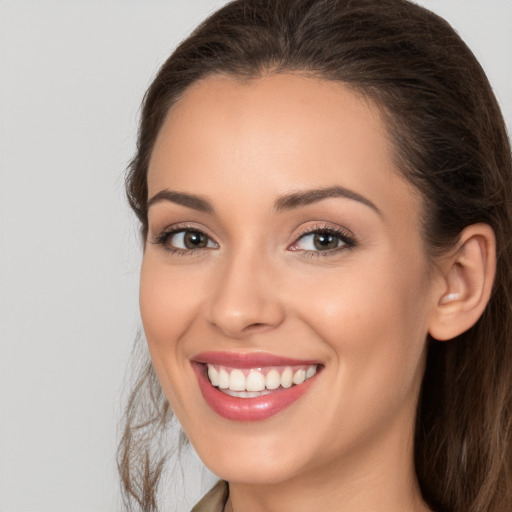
72, 74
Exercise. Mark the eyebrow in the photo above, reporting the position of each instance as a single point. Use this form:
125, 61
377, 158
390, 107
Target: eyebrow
188, 200
287, 202
299, 199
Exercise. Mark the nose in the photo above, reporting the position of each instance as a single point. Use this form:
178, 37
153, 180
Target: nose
245, 299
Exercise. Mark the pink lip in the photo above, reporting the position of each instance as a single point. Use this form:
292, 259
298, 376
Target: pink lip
248, 409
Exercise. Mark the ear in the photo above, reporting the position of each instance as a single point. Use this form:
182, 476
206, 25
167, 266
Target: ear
466, 279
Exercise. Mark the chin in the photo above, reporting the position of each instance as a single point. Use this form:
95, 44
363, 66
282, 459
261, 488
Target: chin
253, 459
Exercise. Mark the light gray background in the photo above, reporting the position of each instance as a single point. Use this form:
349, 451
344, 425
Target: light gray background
72, 74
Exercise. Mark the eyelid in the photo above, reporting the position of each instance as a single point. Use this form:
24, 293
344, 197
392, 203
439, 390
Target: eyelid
345, 236
348, 240
181, 234
162, 236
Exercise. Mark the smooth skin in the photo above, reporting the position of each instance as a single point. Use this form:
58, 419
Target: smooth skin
261, 280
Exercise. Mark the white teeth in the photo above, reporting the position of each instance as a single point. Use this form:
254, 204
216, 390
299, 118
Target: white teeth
223, 379
286, 378
298, 377
273, 379
311, 371
237, 380
253, 382
213, 375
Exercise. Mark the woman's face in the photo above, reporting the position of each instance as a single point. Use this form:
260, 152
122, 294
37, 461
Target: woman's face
284, 257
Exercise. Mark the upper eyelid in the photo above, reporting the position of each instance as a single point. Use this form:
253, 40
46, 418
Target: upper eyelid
345, 235
181, 226
317, 227
161, 236
325, 227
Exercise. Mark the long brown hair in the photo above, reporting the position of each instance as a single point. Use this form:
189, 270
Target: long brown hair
450, 142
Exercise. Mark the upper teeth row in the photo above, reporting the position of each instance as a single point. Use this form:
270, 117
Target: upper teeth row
236, 380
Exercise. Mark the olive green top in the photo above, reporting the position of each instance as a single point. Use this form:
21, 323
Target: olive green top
215, 500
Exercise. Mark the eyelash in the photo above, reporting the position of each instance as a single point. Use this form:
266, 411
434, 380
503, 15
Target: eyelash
162, 239
347, 240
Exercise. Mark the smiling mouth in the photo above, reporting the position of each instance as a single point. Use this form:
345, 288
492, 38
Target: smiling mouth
252, 386
255, 382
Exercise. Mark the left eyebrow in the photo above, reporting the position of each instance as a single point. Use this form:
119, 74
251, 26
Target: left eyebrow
307, 197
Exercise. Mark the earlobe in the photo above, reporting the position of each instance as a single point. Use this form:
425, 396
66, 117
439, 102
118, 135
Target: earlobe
467, 276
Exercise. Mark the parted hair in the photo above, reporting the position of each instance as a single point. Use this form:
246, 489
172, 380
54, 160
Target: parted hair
450, 142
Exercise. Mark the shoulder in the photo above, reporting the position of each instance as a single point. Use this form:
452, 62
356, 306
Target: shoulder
215, 499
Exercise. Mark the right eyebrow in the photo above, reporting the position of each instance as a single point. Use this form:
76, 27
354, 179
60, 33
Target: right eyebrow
183, 199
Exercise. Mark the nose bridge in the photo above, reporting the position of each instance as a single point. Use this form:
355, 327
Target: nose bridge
244, 299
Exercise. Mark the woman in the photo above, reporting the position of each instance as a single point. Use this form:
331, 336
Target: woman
324, 195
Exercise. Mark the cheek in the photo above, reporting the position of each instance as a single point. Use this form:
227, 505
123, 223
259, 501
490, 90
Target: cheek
376, 297
170, 299
374, 322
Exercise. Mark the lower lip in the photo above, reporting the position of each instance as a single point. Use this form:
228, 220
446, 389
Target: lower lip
248, 409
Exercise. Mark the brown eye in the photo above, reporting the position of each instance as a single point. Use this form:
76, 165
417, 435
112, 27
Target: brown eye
185, 240
195, 240
320, 241
325, 241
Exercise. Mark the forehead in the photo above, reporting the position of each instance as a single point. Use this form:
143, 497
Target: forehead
277, 133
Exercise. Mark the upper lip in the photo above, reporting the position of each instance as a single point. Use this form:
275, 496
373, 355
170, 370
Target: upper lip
249, 359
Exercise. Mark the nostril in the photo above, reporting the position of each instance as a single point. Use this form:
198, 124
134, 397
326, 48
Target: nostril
258, 326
